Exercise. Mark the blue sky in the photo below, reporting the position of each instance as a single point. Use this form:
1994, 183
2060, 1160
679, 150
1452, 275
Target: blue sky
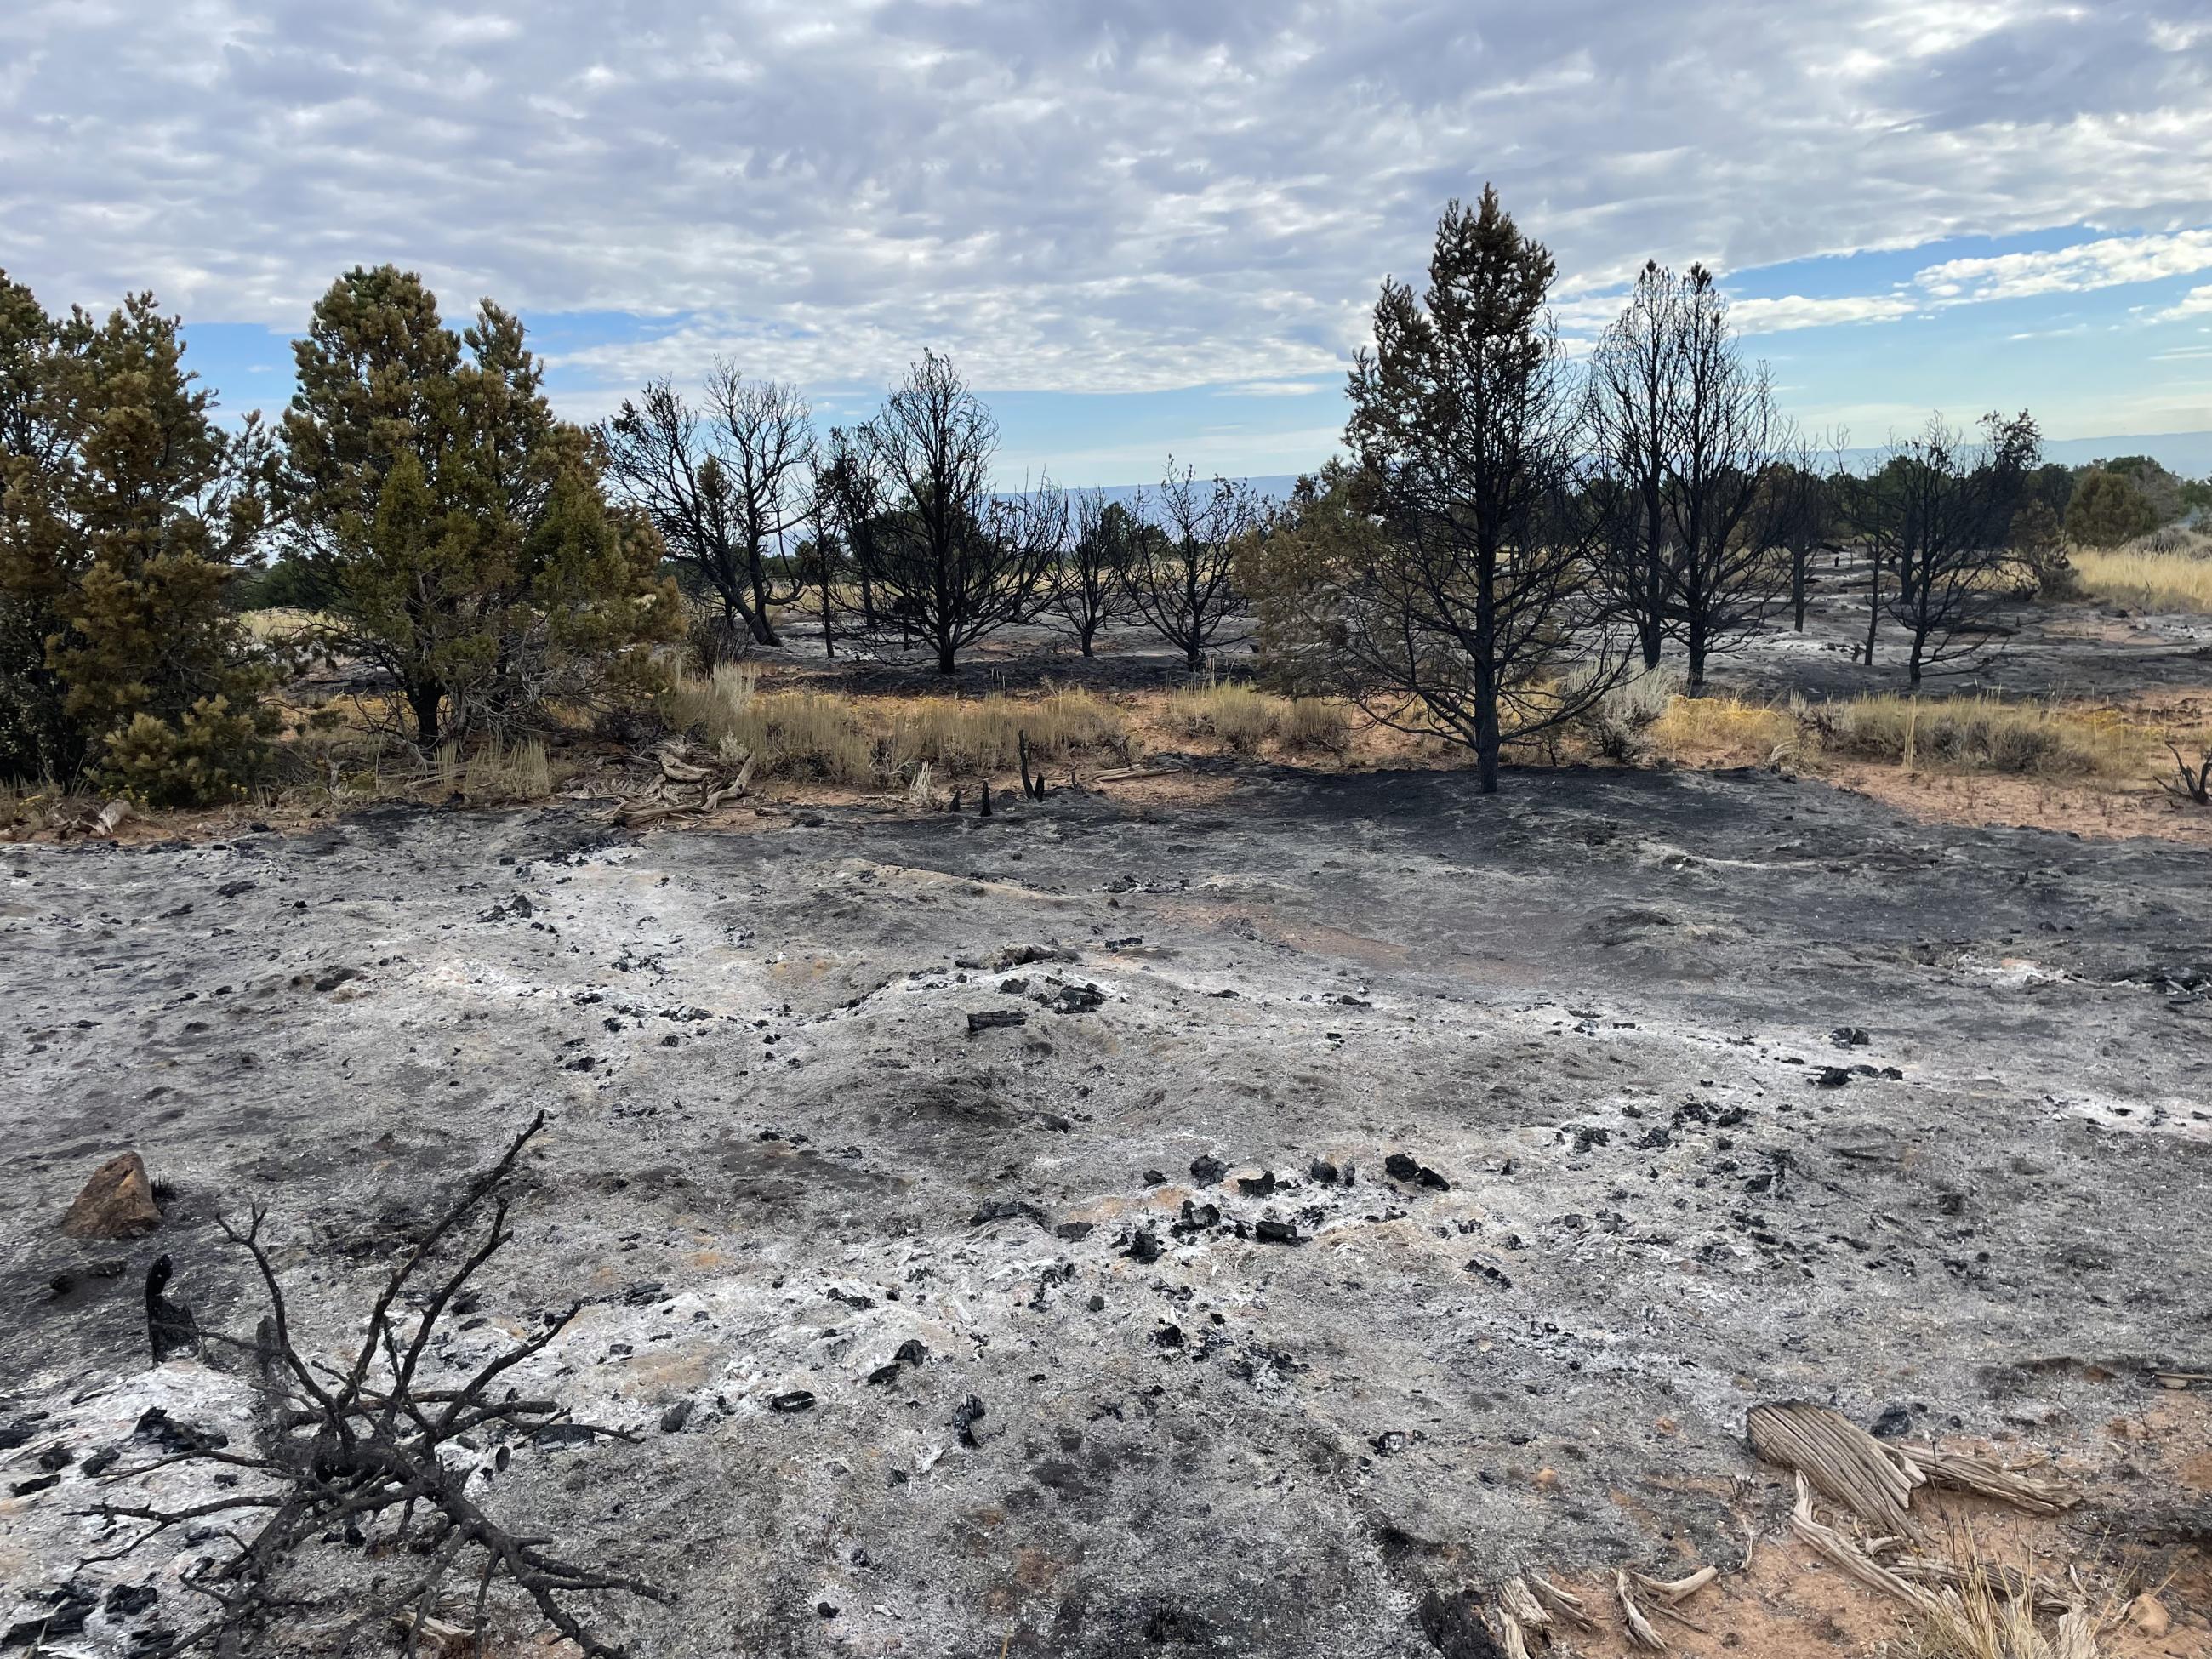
1141, 227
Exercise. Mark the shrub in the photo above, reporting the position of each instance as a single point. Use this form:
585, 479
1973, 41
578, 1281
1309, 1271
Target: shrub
1977, 734
1618, 725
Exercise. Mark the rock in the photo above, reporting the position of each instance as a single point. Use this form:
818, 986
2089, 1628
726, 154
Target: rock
992, 1019
1208, 1169
101, 1462
118, 1202
797, 1400
2148, 1614
1400, 1167
1005, 1209
1454, 1626
41, 1483
1144, 1247
1322, 1172
1169, 1336
55, 1456
1154, 1177
1276, 1232
1831, 1077
1849, 1036
129, 1601
965, 1416
1074, 1231
673, 1419
1894, 1421
1263, 1186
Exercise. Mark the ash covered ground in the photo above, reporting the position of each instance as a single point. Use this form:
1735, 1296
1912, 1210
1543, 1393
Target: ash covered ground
1386, 1188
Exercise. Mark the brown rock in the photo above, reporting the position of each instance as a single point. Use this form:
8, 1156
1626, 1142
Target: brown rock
118, 1202
2148, 1614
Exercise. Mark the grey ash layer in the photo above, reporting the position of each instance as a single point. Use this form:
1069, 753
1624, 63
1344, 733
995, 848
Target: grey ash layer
1600, 1011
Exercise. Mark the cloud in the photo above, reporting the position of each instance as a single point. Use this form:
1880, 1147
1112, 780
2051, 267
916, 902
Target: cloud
1777, 316
1105, 195
2197, 302
1280, 388
2113, 262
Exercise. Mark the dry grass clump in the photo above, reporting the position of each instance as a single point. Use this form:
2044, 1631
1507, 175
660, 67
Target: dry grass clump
1981, 734
1694, 728
791, 733
1241, 718
282, 624
492, 771
1988, 1609
2169, 569
983, 734
844, 740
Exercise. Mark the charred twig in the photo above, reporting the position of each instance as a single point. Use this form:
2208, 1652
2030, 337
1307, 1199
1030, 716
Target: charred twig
347, 1447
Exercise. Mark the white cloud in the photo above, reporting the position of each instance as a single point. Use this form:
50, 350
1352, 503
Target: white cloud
2113, 262
1090, 194
1777, 316
1280, 388
2197, 302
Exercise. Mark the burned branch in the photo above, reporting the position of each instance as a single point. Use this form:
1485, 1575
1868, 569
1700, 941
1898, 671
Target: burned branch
343, 1450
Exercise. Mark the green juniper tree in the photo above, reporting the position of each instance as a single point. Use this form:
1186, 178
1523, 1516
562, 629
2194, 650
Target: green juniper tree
456, 534
126, 513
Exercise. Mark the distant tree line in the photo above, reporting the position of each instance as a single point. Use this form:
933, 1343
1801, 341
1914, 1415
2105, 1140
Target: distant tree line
895, 534
1513, 537
1510, 536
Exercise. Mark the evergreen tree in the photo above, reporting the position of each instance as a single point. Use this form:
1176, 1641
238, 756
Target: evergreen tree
128, 511
2107, 508
457, 534
1477, 618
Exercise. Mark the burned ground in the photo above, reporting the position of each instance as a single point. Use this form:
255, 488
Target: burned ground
1385, 1188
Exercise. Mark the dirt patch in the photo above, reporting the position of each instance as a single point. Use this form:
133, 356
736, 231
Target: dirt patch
1982, 798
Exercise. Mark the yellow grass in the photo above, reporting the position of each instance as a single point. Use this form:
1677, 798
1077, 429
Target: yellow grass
1980, 734
1963, 734
1242, 719
280, 624
1726, 728
859, 743
2146, 575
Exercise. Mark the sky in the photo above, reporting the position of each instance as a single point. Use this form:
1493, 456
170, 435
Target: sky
1141, 227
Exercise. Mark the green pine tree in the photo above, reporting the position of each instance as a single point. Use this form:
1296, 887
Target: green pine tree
455, 532
128, 513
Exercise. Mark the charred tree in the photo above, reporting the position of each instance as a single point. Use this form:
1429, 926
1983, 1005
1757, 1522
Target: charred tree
722, 482
1090, 587
1182, 580
1471, 611
955, 562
